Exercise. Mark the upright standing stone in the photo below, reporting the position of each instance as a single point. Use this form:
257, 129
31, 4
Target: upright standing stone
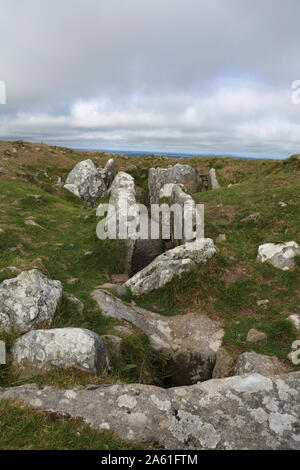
213, 182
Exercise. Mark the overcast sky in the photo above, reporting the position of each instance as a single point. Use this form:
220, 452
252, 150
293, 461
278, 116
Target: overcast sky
201, 76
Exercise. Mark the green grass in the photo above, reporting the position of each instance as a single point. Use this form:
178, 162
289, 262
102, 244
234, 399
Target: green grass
25, 429
226, 288
58, 250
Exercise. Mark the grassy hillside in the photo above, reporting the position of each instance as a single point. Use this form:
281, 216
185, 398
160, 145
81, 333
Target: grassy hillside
64, 245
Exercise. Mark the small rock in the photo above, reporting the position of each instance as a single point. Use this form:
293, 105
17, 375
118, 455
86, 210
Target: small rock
253, 216
12, 269
38, 351
262, 302
295, 320
77, 302
251, 363
113, 343
33, 223
256, 336
119, 278
72, 281
36, 197
123, 329
282, 204
221, 238
28, 301
120, 289
88, 253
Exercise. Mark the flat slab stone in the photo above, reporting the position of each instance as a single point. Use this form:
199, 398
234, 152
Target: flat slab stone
236, 413
171, 263
191, 340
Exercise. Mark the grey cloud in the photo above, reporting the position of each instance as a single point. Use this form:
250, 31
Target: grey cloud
197, 75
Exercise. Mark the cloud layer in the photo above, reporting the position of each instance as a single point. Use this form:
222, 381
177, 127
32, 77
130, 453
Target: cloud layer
173, 75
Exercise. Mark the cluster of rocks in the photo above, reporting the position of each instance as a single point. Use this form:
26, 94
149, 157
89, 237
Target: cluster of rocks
280, 255
28, 304
155, 271
252, 396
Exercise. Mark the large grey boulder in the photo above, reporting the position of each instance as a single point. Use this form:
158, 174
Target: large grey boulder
87, 182
177, 174
252, 362
280, 255
170, 264
28, 301
191, 340
237, 413
38, 351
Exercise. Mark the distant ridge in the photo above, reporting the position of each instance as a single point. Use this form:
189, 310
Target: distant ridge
143, 153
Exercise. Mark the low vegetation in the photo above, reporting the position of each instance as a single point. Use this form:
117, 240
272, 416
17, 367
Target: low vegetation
63, 245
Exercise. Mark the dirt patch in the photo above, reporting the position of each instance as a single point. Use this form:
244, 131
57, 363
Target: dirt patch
234, 274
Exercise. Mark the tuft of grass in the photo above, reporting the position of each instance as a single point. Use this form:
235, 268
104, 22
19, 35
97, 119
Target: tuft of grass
25, 429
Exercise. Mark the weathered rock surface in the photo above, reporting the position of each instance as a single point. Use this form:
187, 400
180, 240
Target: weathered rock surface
245, 412
213, 182
280, 255
224, 365
170, 264
251, 362
79, 306
191, 340
122, 212
190, 216
294, 320
177, 174
38, 351
87, 182
256, 336
28, 301
166, 190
